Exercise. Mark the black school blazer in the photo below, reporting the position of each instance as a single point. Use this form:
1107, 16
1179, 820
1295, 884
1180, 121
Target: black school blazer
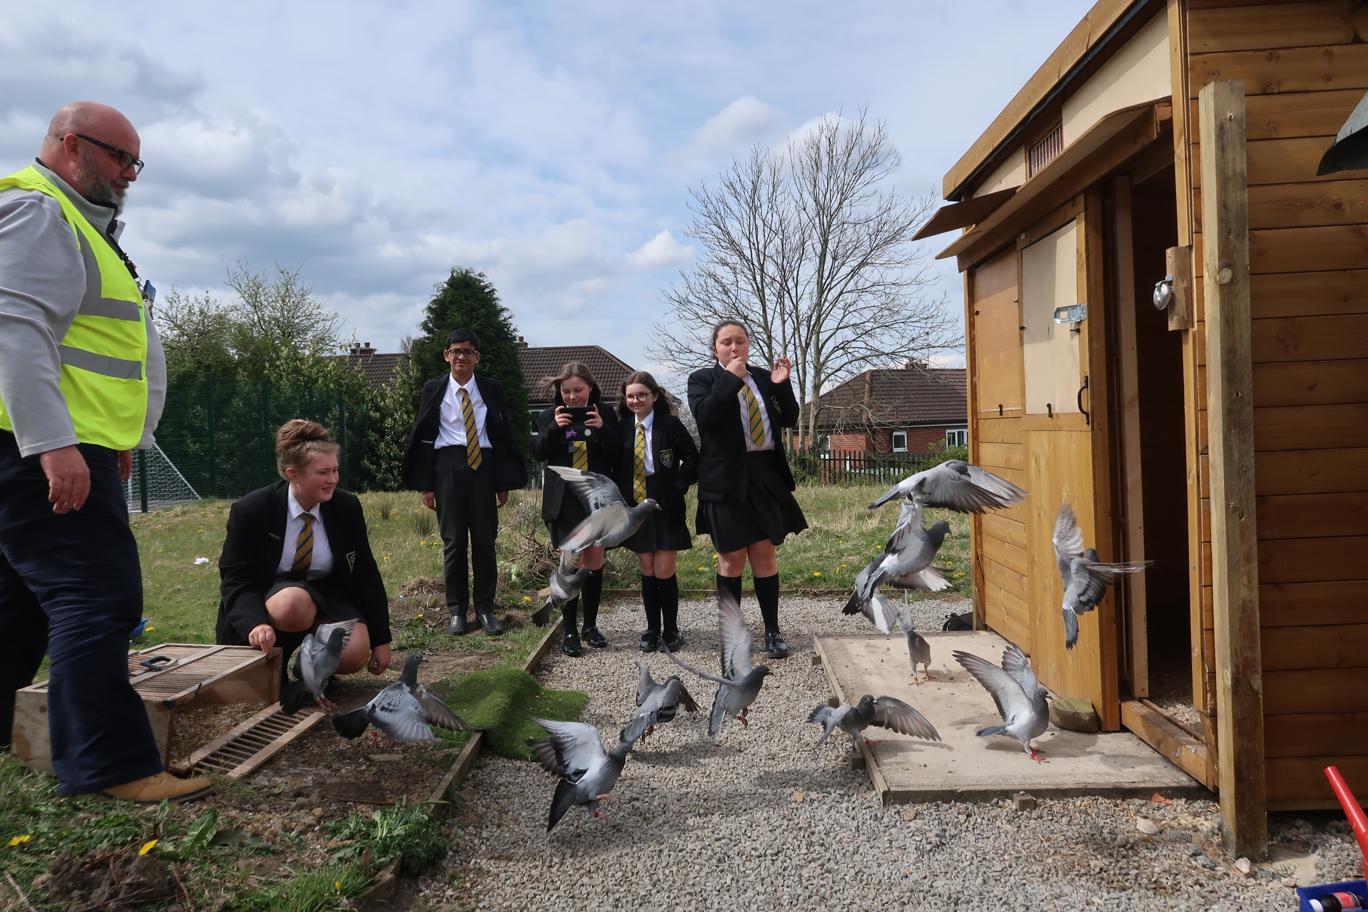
419, 468
675, 456
722, 439
552, 448
251, 554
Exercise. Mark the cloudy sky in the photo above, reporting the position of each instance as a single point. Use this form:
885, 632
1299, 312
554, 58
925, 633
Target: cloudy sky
550, 145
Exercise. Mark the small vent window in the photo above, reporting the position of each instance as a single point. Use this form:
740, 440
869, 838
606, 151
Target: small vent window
1046, 151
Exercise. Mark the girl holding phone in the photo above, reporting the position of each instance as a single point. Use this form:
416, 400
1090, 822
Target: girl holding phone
658, 459
591, 445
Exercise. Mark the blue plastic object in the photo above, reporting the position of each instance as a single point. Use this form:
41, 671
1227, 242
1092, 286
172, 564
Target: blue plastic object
1305, 894
138, 631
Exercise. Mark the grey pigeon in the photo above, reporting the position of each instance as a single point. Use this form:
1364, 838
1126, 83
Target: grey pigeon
907, 556
586, 767
918, 650
739, 684
956, 485
656, 703
404, 710
317, 658
610, 522
1020, 699
1085, 577
565, 584
885, 712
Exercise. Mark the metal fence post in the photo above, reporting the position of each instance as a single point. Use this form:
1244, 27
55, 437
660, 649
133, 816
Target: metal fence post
142, 478
209, 436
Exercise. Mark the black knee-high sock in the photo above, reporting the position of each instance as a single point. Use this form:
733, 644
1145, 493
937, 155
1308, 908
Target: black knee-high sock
650, 600
569, 614
667, 590
730, 584
590, 595
767, 594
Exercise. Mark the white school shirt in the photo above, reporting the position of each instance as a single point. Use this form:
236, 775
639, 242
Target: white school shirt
322, 562
451, 427
650, 460
745, 415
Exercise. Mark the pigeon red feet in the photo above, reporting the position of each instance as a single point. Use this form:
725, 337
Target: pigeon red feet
1038, 756
741, 717
327, 705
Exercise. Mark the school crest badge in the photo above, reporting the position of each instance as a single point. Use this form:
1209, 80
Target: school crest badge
667, 458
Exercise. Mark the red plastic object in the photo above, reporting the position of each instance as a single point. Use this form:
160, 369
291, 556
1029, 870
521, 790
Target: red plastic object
1357, 821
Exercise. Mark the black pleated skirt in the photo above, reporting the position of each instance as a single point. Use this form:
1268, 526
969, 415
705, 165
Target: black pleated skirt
768, 512
663, 530
572, 513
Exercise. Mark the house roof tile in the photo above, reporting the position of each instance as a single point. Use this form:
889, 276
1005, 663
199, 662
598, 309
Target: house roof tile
896, 397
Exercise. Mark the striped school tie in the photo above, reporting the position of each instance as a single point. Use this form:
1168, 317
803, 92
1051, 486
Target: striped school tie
757, 425
299, 568
579, 455
639, 465
473, 454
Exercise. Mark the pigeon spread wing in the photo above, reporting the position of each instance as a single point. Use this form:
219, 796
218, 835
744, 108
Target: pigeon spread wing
571, 750
595, 491
436, 712
1067, 541
965, 488
895, 715
306, 664
880, 613
397, 712
736, 639
594, 526
675, 690
1006, 691
1015, 663
645, 683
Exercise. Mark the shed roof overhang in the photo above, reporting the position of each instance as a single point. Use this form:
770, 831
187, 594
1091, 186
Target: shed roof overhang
1104, 147
962, 215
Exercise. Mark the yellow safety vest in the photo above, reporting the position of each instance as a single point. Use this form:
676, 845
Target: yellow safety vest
104, 352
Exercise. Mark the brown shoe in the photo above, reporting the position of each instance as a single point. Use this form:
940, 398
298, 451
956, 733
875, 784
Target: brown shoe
159, 787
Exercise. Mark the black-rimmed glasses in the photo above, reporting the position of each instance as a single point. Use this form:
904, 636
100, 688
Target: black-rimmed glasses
125, 158
464, 353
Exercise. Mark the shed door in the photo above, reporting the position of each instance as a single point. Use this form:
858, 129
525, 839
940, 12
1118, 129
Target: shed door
1064, 436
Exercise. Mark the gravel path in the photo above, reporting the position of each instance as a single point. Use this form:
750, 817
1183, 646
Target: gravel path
759, 819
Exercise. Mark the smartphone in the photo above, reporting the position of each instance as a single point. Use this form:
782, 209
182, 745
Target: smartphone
578, 415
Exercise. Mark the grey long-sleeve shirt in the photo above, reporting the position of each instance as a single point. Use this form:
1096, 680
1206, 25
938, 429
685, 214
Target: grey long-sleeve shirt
42, 281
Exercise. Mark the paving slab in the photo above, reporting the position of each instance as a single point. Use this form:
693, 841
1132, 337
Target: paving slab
964, 766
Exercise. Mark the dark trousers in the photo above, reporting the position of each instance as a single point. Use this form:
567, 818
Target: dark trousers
466, 508
71, 586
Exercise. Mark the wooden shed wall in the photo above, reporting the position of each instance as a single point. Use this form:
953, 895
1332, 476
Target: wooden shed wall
1305, 65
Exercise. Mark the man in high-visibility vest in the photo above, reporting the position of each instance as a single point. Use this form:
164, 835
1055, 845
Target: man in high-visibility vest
81, 385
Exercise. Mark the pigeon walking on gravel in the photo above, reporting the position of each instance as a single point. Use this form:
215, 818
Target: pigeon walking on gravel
739, 684
1085, 578
404, 711
907, 557
1020, 699
587, 768
656, 703
884, 712
565, 584
610, 522
918, 650
956, 485
317, 658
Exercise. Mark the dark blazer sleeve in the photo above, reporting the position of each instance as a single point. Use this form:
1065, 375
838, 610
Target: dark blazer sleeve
603, 445
364, 581
242, 587
418, 453
712, 396
783, 397
550, 438
686, 454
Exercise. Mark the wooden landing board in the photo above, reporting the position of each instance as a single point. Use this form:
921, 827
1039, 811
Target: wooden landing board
963, 766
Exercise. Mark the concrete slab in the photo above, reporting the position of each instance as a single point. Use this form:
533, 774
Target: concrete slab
966, 767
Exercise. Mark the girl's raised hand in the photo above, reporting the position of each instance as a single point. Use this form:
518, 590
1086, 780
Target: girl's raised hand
562, 416
737, 366
780, 374
593, 419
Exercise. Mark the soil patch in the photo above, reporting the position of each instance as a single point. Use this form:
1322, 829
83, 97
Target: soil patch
111, 880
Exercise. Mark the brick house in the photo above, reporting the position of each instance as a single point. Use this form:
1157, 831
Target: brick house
909, 409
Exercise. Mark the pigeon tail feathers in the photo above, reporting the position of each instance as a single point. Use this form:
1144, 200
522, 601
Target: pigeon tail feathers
351, 724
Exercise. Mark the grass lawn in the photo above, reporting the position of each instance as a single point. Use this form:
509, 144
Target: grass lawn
197, 854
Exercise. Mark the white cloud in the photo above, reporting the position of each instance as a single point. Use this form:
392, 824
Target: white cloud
661, 252
744, 121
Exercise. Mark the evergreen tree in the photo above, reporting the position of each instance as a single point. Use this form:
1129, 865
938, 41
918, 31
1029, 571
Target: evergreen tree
468, 300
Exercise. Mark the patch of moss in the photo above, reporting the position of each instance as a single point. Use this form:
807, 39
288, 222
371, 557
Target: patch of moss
505, 701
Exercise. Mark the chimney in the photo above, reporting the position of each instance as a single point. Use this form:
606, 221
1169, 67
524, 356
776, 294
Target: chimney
362, 349
521, 343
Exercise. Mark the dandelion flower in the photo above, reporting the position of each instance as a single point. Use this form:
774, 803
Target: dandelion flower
702, 568
420, 615
147, 846
527, 599
19, 840
816, 572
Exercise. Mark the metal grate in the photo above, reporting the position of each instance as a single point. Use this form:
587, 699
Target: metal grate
240, 751
1045, 151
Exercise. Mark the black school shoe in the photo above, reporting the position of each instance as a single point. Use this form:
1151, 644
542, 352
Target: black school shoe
571, 644
593, 638
775, 647
650, 641
674, 641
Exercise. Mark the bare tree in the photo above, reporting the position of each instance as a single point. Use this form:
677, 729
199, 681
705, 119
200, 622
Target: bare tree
811, 248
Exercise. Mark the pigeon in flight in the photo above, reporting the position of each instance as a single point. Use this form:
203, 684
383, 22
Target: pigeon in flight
918, 650
610, 522
316, 659
885, 712
956, 485
1020, 699
566, 582
404, 710
586, 767
907, 557
1085, 578
739, 684
656, 703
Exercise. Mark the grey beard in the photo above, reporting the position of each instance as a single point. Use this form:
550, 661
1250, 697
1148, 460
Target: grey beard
98, 190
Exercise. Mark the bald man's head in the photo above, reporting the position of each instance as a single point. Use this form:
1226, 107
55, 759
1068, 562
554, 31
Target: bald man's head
72, 149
